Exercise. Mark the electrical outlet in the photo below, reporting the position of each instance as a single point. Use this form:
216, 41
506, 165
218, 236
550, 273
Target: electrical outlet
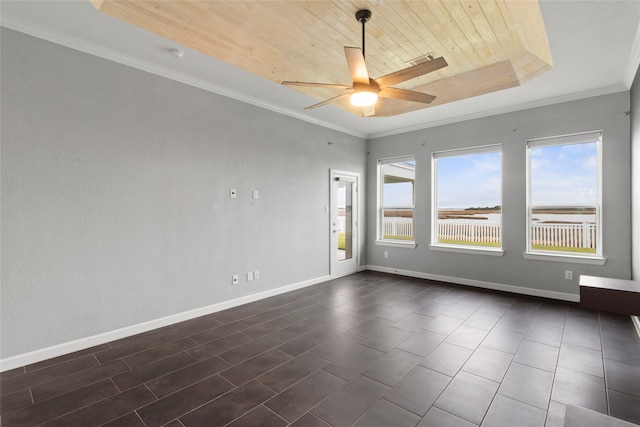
256, 274
234, 279
568, 274
386, 254
249, 276
255, 194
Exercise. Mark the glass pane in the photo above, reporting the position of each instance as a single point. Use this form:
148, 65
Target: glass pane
564, 184
398, 195
345, 220
469, 198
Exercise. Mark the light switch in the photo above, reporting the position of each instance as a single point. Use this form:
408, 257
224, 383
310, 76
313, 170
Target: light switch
233, 193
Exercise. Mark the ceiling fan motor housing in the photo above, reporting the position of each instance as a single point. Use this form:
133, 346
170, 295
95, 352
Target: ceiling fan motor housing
373, 86
363, 15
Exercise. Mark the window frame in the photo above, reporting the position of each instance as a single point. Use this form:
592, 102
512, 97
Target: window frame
563, 140
449, 247
380, 240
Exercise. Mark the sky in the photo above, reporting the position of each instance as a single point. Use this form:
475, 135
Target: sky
564, 175
472, 180
398, 195
561, 176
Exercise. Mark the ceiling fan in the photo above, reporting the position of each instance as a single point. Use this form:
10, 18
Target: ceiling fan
364, 91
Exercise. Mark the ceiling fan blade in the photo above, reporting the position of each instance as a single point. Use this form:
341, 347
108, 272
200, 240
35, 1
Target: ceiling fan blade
335, 98
357, 66
368, 111
411, 72
406, 95
327, 85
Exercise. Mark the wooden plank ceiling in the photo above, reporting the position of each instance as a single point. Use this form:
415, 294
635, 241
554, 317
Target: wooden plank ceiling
489, 45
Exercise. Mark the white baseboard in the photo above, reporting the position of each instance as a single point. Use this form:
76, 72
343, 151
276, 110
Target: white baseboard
480, 284
83, 343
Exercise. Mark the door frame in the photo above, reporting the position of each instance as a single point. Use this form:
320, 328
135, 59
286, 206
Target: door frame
334, 266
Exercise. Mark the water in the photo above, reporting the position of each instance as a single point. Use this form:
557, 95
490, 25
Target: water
495, 217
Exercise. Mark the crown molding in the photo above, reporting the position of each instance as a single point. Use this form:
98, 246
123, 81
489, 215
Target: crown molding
504, 110
634, 60
94, 49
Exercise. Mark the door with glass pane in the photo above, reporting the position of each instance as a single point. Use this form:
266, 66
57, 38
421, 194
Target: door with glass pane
344, 223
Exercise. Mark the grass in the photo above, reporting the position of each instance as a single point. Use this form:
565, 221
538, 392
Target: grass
461, 242
536, 247
390, 237
341, 244
563, 249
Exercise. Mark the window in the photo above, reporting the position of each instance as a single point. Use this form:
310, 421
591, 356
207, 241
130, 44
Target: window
397, 199
564, 197
467, 199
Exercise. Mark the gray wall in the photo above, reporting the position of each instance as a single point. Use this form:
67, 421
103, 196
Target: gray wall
115, 196
115, 206
607, 113
635, 178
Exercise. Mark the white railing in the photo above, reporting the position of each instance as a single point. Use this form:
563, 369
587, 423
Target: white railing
477, 232
569, 235
398, 226
546, 234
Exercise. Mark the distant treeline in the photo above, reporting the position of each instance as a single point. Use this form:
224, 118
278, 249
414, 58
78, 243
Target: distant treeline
566, 211
485, 208
399, 214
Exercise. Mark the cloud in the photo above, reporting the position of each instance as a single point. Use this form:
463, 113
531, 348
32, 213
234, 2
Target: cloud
564, 175
470, 180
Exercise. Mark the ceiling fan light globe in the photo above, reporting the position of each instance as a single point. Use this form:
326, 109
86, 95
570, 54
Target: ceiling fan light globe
364, 99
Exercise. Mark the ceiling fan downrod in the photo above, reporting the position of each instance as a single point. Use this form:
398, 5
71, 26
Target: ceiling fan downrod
363, 17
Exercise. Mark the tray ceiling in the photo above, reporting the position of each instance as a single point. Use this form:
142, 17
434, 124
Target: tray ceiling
489, 45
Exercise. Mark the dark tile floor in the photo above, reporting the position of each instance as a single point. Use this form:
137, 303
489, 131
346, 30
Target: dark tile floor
369, 349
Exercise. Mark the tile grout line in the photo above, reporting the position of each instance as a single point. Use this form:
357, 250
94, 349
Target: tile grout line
553, 382
364, 294
604, 368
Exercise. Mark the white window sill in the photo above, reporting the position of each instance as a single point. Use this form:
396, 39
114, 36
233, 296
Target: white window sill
464, 250
397, 243
565, 258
